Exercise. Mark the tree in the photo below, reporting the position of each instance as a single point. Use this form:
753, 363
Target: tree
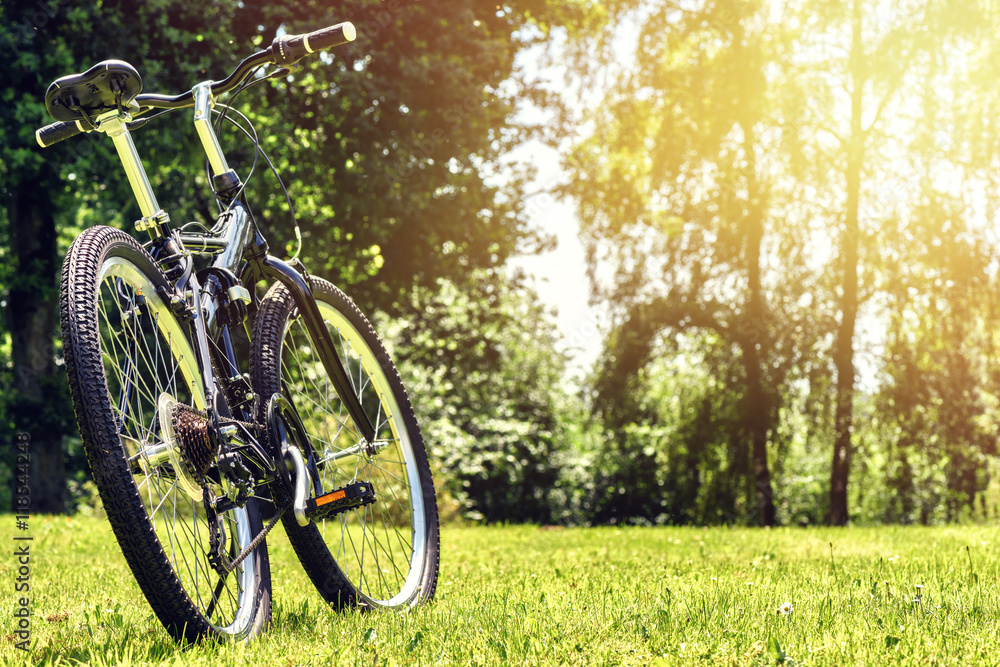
938, 402
882, 47
672, 190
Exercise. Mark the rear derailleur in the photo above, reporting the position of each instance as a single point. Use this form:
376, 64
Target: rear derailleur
242, 466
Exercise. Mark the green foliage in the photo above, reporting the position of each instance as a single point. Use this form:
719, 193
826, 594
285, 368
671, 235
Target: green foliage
483, 372
674, 187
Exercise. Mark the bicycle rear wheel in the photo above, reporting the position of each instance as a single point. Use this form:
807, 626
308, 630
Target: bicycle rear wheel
129, 359
384, 554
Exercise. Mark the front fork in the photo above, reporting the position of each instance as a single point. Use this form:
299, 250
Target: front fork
320, 337
305, 468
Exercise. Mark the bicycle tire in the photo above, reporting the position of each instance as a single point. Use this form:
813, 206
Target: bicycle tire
381, 555
122, 340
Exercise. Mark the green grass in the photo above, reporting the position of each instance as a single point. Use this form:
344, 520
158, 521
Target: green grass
525, 595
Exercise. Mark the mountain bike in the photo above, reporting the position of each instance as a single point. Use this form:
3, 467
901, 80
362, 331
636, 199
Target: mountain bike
193, 445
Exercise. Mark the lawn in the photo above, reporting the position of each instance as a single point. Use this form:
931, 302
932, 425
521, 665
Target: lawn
529, 595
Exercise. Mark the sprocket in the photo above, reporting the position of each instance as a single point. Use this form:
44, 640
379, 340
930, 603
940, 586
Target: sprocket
197, 452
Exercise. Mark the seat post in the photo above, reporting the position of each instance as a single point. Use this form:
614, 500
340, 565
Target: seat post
153, 217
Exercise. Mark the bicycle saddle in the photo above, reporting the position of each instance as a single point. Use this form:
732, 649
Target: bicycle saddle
108, 85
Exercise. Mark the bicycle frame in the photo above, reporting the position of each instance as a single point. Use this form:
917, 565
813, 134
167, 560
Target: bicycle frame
238, 248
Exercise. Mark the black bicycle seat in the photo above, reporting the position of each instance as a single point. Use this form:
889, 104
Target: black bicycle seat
101, 88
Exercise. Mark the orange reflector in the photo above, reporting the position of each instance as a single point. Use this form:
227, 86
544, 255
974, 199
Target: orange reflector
331, 497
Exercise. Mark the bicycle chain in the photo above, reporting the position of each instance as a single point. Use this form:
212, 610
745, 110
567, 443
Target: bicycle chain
197, 457
217, 557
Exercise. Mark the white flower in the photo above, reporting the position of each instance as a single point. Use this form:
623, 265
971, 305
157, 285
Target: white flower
786, 609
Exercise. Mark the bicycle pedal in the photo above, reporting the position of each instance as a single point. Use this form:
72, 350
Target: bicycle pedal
343, 499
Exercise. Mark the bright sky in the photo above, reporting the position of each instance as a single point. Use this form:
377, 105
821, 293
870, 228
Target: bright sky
560, 275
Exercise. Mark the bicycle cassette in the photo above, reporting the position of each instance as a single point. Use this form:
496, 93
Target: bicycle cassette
188, 446
191, 428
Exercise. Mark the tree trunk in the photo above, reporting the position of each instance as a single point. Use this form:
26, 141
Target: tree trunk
759, 426
844, 350
39, 405
756, 339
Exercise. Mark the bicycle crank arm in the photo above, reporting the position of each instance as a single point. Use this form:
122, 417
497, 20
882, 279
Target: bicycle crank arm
327, 505
300, 484
302, 294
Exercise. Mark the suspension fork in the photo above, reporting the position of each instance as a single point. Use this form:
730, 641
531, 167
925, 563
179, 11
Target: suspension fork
216, 401
302, 294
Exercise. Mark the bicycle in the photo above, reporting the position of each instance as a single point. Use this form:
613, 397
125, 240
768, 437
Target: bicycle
186, 447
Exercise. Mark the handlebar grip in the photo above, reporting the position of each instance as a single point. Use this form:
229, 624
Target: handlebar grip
56, 132
289, 49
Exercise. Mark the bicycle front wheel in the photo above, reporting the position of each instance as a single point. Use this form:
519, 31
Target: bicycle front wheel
129, 359
384, 554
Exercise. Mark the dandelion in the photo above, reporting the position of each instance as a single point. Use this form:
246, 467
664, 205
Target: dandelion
786, 609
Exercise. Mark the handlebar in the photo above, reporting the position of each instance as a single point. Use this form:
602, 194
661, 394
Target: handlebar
56, 132
289, 49
284, 51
